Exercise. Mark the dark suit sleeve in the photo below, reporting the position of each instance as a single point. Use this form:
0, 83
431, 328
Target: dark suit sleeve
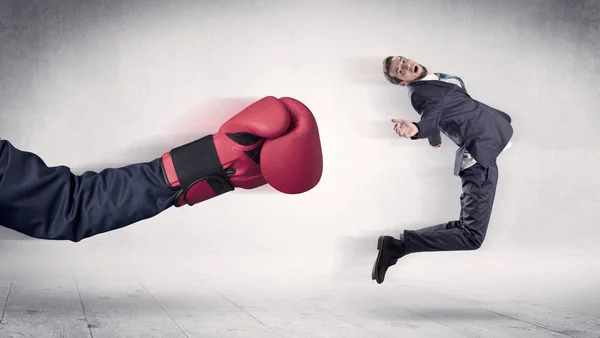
505, 115
53, 203
435, 139
431, 112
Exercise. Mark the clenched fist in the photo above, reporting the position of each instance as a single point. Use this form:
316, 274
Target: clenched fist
405, 128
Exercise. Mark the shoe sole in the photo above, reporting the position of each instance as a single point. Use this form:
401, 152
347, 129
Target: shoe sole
379, 249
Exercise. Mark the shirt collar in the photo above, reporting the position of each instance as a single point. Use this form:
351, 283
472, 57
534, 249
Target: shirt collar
429, 77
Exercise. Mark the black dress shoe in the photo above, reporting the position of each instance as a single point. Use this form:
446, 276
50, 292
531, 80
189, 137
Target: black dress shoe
390, 250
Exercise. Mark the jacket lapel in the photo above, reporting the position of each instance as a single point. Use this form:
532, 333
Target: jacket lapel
439, 83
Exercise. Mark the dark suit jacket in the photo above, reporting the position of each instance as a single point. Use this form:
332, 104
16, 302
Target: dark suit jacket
53, 203
480, 129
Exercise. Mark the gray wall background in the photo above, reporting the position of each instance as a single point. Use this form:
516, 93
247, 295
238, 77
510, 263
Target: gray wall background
95, 84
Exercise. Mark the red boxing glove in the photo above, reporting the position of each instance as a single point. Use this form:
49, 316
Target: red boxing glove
274, 141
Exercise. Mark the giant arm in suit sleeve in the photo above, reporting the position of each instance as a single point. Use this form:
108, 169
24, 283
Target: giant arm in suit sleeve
53, 203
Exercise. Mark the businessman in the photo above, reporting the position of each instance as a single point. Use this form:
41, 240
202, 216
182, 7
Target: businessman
481, 133
272, 141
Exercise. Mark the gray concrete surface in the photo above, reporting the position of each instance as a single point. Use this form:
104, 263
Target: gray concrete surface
216, 296
96, 84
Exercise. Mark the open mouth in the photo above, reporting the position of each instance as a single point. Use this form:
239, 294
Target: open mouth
416, 69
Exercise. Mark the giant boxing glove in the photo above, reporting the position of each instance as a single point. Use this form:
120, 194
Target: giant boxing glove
274, 141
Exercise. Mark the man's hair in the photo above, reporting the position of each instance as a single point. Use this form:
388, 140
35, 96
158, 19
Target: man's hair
386, 71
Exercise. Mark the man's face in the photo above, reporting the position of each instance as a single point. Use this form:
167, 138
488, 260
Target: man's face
406, 70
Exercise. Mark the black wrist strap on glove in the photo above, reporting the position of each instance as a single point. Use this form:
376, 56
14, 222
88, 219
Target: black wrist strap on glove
199, 171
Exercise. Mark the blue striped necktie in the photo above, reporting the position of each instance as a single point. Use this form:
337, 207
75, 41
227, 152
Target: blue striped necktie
446, 76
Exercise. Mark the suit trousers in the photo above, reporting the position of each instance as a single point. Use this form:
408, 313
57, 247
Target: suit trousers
469, 230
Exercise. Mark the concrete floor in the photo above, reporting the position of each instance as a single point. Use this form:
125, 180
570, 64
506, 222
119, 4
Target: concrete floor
232, 297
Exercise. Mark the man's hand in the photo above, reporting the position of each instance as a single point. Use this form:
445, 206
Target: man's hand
405, 128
